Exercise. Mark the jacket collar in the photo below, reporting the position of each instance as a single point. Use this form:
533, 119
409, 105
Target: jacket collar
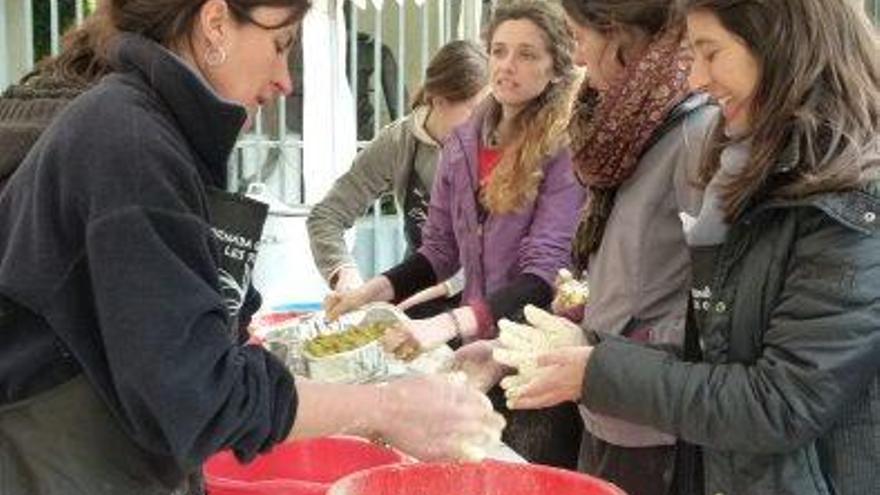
471, 131
468, 136
418, 124
857, 209
210, 124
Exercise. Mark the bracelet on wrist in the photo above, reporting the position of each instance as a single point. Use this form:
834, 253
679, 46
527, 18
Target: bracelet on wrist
455, 322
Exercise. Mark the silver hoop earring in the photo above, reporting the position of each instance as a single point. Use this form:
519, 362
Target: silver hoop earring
215, 56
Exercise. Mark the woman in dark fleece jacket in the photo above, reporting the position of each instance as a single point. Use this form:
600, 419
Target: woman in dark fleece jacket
119, 366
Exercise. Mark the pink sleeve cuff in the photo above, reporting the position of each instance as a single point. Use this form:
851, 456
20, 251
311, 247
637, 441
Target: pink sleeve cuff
486, 328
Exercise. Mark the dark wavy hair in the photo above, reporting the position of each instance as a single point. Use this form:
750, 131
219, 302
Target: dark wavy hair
816, 111
651, 16
172, 21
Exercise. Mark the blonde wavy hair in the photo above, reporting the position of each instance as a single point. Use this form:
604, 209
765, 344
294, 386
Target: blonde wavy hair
541, 126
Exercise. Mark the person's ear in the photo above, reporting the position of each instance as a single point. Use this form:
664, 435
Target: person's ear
439, 102
614, 52
214, 19
626, 44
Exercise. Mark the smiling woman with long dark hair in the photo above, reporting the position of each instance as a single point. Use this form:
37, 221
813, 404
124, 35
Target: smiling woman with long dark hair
121, 370
783, 396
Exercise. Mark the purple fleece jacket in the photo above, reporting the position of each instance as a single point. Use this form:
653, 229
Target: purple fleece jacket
536, 240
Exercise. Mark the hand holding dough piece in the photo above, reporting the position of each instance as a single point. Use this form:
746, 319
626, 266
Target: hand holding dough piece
521, 344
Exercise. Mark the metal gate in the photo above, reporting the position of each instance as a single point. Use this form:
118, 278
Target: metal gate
389, 45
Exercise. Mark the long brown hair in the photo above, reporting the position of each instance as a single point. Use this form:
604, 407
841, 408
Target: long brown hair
541, 126
816, 111
457, 72
172, 21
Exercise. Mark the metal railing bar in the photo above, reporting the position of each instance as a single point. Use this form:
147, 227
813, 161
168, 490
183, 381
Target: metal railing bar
401, 57
80, 11
353, 57
28, 9
377, 71
441, 21
54, 27
426, 34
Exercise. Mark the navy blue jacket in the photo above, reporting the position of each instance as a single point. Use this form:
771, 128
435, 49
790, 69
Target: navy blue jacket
108, 259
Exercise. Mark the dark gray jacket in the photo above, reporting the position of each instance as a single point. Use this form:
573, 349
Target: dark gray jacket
787, 400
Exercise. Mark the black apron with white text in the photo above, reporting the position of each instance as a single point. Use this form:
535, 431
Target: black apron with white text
237, 224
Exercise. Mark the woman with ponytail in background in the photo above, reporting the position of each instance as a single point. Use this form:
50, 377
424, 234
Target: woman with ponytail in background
402, 159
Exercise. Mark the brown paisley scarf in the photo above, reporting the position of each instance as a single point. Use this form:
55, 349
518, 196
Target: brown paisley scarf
609, 130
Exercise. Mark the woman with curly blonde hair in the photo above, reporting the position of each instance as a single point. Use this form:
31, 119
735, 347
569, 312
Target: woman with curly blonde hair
505, 202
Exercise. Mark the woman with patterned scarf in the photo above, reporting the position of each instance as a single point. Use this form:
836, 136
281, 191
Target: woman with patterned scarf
637, 134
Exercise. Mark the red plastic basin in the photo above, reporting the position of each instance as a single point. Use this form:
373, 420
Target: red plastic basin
485, 478
276, 318
306, 467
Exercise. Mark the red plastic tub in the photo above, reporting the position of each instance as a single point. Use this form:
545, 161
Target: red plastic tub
306, 467
485, 478
277, 318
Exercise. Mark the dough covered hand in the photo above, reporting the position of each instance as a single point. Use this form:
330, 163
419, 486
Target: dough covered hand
439, 417
521, 345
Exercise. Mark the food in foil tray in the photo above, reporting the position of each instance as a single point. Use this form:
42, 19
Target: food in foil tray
343, 351
347, 340
286, 333
352, 354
